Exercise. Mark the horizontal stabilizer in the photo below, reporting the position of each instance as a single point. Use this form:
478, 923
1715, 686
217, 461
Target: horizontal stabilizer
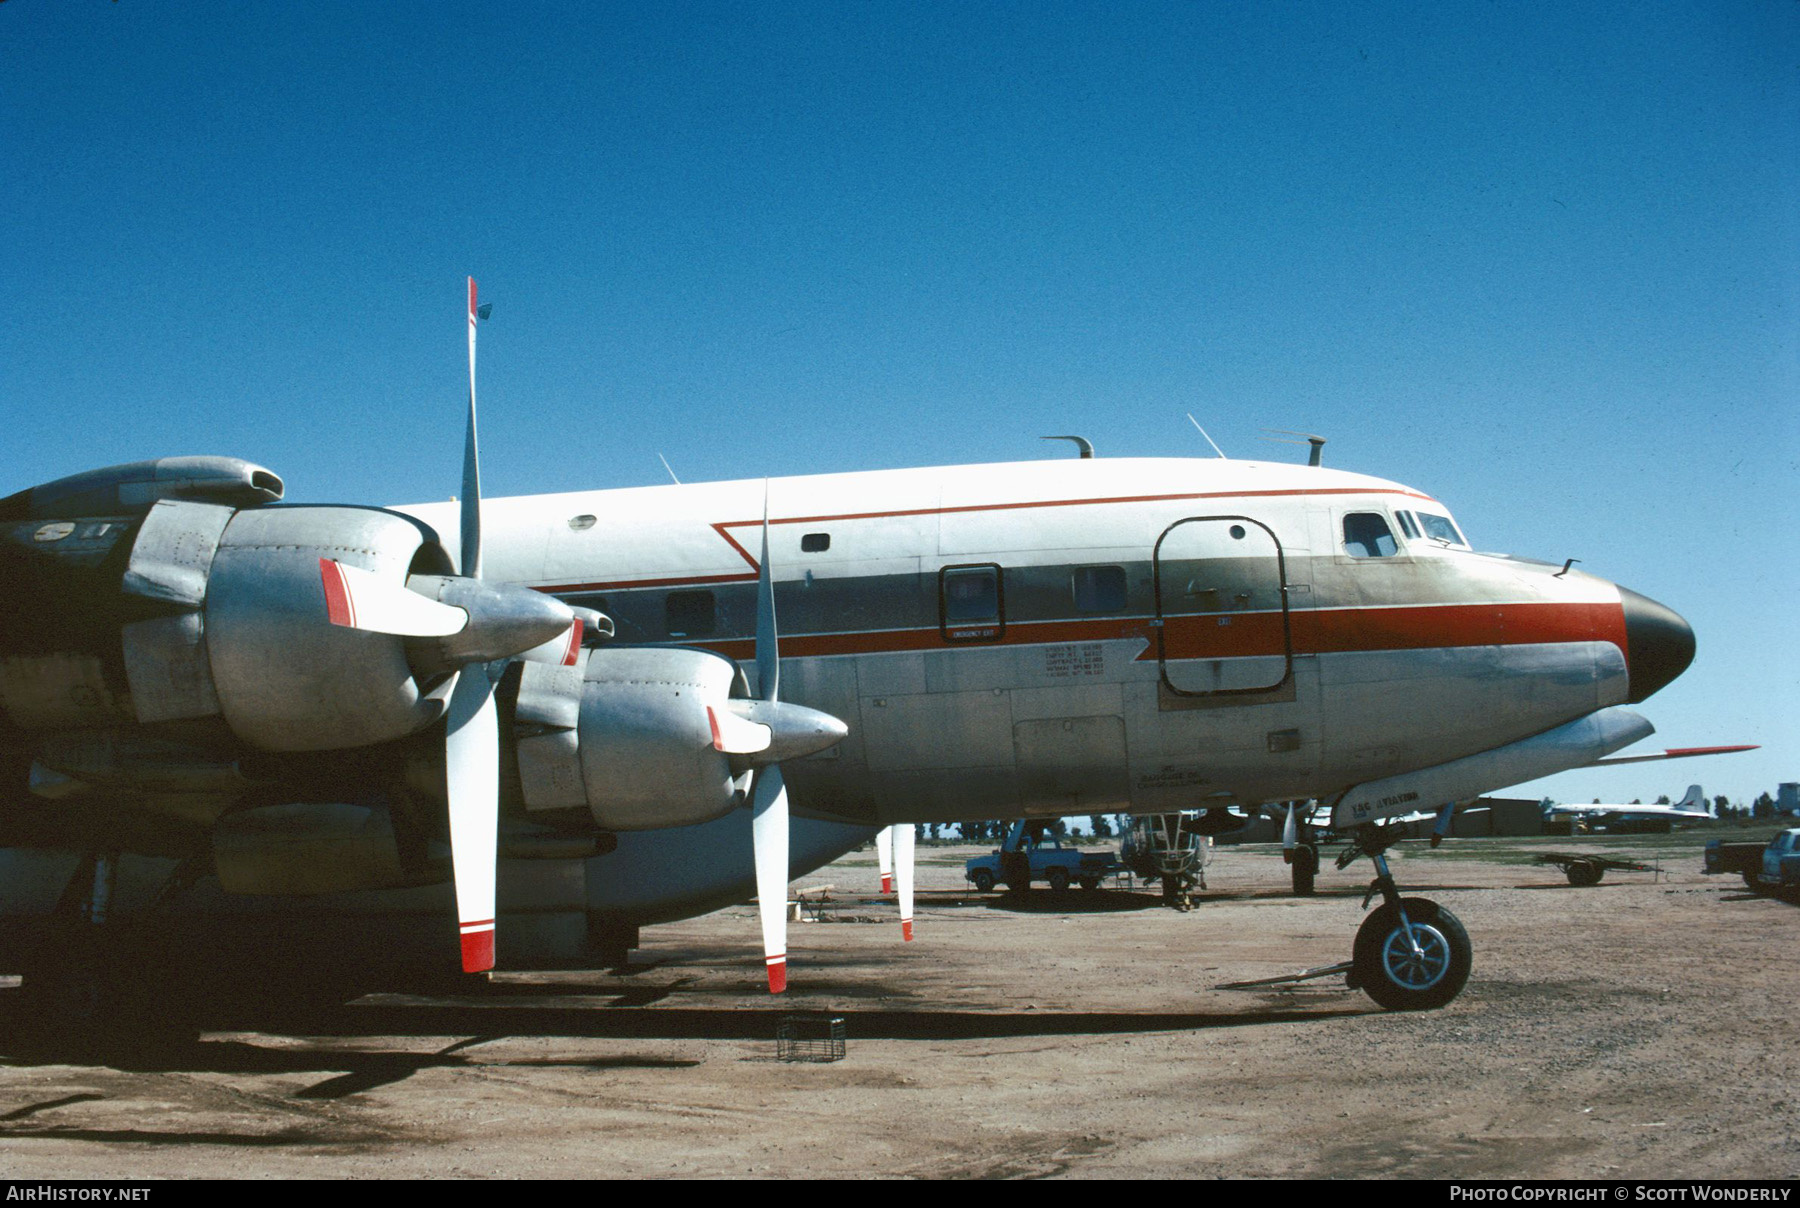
1673, 753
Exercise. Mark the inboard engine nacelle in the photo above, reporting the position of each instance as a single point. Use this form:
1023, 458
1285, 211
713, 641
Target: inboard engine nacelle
652, 737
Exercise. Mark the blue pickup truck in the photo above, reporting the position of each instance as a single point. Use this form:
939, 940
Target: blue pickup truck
1024, 859
1772, 868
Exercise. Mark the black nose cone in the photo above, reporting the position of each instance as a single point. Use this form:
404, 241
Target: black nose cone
1659, 645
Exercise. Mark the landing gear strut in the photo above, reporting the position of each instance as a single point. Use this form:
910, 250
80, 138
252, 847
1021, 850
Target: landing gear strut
80, 980
1410, 953
1305, 867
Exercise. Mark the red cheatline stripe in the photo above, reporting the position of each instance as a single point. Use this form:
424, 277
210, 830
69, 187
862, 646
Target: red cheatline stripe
1244, 635
338, 604
574, 644
478, 951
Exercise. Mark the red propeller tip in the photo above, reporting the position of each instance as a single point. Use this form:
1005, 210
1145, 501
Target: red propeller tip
338, 604
777, 974
906, 930
887, 882
478, 950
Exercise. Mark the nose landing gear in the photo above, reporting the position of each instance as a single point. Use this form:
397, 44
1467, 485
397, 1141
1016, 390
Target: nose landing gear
1410, 954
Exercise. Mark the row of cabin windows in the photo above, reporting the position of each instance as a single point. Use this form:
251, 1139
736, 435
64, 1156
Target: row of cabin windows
1367, 535
970, 601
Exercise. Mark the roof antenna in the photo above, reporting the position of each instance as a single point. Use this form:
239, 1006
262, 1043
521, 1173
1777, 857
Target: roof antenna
665, 462
1081, 442
1209, 440
1317, 457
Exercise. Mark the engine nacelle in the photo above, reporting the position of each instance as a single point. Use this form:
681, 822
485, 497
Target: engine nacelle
287, 679
626, 734
195, 610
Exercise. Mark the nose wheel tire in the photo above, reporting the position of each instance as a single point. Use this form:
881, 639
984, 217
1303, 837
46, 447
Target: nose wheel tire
1399, 977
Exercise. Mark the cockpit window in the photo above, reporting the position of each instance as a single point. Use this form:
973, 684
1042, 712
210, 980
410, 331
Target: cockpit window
1441, 528
1367, 535
1408, 525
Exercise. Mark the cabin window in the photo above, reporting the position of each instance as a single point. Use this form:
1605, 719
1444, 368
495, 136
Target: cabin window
969, 599
691, 614
1441, 528
815, 543
1367, 535
1099, 588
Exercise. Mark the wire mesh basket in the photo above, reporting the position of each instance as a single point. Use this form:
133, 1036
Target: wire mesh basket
817, 1037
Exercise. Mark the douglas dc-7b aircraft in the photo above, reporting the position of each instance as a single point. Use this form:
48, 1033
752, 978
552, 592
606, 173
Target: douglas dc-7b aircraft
313, 698
1693, 807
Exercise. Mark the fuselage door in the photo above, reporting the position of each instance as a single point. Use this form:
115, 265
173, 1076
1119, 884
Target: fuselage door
1222, 607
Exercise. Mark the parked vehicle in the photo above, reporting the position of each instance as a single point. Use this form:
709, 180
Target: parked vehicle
1772, 868
1030, 855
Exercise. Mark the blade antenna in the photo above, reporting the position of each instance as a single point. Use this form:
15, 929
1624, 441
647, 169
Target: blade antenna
1209, 440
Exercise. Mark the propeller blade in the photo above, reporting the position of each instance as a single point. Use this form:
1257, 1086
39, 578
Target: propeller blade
471, 485
884, 855
360, 599
735, 736
472, 776
559, 651
903, 875
768, 654
769, 837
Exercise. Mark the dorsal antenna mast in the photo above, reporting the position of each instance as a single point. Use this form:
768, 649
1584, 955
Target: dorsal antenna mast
1081, 442
1316, 457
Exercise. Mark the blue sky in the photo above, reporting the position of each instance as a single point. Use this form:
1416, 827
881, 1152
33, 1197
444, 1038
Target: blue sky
1540, 260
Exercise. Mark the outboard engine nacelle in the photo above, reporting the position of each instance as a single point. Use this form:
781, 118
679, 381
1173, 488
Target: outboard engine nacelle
177, 608
644, 737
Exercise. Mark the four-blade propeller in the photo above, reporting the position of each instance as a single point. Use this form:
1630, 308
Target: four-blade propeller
470, 629
461, 625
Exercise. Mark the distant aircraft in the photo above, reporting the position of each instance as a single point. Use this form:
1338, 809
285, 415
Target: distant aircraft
1693, 807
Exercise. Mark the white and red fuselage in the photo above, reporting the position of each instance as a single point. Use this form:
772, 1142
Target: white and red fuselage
1095, 635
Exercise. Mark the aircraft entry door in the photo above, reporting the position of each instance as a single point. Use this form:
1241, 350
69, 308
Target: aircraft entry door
1222, 607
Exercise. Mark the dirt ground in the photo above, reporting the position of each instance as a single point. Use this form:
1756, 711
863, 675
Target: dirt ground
1638, 1029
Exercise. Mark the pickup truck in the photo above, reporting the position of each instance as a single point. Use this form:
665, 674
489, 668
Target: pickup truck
1772, 868
1023, 860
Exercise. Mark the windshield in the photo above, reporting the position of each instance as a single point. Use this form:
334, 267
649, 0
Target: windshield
1441, 528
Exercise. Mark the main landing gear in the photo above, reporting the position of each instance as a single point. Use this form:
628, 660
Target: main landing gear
83, 979
1410, 953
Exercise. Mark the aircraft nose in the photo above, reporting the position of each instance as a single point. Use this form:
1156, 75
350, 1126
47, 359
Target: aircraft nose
1659, 644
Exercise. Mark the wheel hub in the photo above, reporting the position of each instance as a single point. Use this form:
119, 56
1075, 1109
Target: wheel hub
1420, 968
